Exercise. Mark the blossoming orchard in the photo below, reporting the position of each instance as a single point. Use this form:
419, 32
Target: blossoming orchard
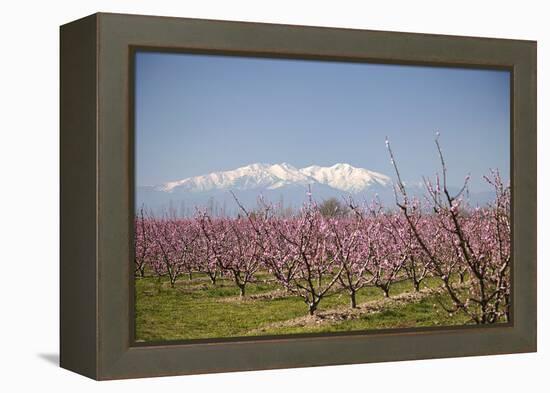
438, 246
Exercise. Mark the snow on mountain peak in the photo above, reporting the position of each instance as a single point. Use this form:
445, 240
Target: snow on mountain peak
346, 177
341, 176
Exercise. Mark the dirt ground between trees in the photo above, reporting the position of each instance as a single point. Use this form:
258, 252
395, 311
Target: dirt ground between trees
344, 313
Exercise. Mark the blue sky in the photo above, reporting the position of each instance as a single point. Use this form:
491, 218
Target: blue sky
196, 114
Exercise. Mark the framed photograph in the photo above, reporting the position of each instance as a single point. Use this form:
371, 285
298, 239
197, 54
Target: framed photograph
242, 196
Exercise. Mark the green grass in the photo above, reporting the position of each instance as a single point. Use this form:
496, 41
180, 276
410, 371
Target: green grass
418, 314
195, 309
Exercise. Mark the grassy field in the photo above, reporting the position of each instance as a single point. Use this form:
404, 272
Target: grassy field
195, 309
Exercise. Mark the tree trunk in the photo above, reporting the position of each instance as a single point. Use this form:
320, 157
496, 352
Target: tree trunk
240, 283
386, 291
416, 286
353, 299
312, 308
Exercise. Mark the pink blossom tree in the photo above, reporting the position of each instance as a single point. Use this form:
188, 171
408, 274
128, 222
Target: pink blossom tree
172, 248
204, 260
142, 243
479, 241
233, 246
296, 251
352, 247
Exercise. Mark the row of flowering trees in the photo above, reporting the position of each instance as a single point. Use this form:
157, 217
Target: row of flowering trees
312, 255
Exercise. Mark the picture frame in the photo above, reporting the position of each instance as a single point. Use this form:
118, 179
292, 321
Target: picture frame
97, 183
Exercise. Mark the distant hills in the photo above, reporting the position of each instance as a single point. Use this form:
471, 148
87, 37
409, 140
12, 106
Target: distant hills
282, 184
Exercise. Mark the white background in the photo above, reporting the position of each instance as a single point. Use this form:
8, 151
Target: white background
29, 193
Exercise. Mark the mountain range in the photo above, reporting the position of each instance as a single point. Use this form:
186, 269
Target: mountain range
280, 183
343, 177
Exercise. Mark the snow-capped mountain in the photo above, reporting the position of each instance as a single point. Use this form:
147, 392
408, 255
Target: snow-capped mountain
345, 177
282, 183
342, 177
244, 178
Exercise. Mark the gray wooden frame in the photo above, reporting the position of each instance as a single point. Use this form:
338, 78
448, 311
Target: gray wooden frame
97, 195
